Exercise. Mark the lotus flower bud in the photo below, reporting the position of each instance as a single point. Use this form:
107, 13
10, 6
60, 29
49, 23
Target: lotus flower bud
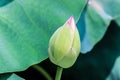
64, 45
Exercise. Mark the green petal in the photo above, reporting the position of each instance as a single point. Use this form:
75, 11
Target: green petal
69, 59
63, 42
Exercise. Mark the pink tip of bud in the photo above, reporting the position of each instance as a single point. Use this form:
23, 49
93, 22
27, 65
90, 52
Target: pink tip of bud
70, 20
71, 23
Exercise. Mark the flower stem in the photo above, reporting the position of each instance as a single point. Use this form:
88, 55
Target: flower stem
58, 73
42, 71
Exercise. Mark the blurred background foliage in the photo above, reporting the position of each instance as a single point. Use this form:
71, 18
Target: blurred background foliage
99, 28
10, 76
